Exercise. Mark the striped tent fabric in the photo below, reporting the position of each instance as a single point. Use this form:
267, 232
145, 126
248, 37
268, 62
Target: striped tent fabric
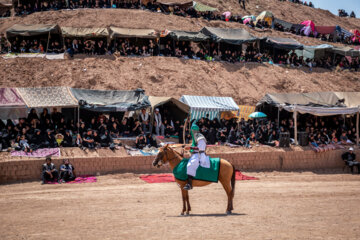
200, 106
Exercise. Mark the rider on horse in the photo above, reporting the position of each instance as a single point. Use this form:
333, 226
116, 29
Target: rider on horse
198, 155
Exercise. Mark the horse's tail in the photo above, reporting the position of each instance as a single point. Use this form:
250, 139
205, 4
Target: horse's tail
233, 182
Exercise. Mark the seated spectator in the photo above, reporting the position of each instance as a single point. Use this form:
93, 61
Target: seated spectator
68, 140
140, 141
67, 172
49, 172
49, 140
88, 140
150, 141
350, 160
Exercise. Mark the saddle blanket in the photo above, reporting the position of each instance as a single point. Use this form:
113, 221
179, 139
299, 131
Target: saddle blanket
204, 174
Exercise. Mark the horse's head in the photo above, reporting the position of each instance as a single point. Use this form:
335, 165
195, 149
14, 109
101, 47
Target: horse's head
162, 157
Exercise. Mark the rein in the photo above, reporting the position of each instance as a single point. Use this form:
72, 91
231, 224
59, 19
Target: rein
170, 158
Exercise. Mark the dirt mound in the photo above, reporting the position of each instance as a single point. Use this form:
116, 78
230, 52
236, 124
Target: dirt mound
165, 76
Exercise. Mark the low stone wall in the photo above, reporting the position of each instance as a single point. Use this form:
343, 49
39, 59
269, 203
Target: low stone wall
23, 170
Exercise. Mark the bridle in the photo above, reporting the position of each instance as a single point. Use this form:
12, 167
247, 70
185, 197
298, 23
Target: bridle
166, 155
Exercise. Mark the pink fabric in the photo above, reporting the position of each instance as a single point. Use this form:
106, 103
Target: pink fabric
246, 20
9, 97
309, 23
80, 179
168, 177
42, 152
227, 14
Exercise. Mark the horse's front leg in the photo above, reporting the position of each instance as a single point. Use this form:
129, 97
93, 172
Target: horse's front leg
183, 194
188, 203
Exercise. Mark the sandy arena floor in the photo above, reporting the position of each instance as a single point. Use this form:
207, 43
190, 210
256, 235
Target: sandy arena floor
278, 206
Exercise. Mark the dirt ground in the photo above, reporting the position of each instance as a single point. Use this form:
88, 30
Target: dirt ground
278, 206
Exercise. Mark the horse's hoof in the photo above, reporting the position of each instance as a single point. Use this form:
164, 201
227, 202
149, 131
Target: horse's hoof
228, 212
182, 214
187, 213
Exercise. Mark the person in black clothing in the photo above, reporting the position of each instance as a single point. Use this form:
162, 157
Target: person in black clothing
49, 140
88, 140
106, 141
350, 160
140, 141
150, 141
55, 116
37, 140
97, 139
68, 140
67, 171
32, 115
49, 172
124, 128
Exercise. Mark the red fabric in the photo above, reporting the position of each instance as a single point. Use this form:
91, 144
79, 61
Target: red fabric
168, 177
325, 29
80, 179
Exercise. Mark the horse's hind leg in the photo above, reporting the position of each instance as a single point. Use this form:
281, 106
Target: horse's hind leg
183, 194
188, 203
227, 188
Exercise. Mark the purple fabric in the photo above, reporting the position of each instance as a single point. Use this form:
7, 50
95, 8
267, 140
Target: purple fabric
42, 152
9, 97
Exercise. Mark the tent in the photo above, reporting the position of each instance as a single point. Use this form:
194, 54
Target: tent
11, 104
266, 16
283, 43
345, 51
179, 110
200, 106
110, 100
132, 33
188, 36
286, 25
243, 112
236, 36
356, 36
84, 32
325, 29
316, 103
4, 7
314, 52
28, 30
341, 31
47, 97
203, 8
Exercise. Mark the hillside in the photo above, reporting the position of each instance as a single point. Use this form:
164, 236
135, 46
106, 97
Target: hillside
161, 76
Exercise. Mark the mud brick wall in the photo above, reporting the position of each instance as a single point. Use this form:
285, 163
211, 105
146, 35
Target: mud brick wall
24, 170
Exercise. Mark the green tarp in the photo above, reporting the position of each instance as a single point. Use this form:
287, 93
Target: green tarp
314, 52
188, 36
345, 51
111, 100
205, 174
132, 33
84, 32
32, 30
236, 36
203, 8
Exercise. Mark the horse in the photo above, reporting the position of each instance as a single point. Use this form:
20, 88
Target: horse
226, 177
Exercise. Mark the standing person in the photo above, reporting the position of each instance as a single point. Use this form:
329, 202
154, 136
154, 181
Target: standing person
349, 158
159, 124
243, 3
145, 120
67, 171
49, 172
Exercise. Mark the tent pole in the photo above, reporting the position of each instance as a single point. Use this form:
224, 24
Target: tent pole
47, 45
78, 119
295, 127
278, 125
357, 128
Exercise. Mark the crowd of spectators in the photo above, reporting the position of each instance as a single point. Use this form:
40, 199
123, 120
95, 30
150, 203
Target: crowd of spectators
305, 3
321, 131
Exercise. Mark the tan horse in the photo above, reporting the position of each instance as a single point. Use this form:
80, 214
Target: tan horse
226, 177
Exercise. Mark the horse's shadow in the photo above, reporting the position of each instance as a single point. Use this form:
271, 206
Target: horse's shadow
211, 215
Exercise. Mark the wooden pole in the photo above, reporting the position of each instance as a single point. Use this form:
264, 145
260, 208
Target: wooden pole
47, 45
278, 125
295, 127
357, 128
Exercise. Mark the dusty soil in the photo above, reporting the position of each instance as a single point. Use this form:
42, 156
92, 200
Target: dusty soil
162, 76
278, 206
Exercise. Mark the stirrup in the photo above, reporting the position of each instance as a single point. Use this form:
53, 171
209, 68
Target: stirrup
187, 187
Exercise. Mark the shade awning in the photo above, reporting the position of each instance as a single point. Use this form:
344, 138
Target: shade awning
286, 25
208, 103
111, 100
47, 97
84, 32
188, 36
236, 36
32, 30
284, 43
9, 97
203, 8
345, 51
132, 33
325, 29
322, 111
158, 101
